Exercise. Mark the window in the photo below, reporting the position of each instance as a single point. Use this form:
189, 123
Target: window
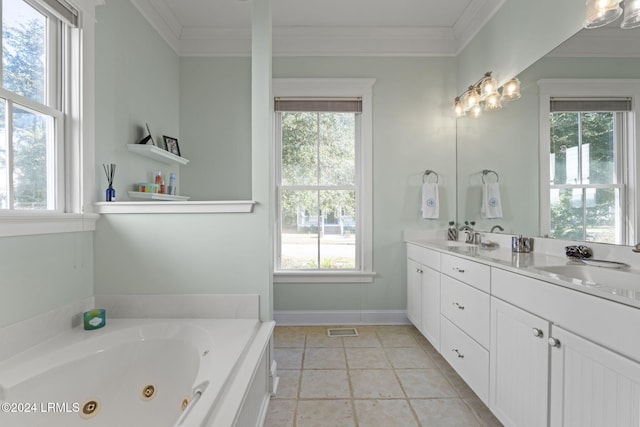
31, 112
323, 179
589, 145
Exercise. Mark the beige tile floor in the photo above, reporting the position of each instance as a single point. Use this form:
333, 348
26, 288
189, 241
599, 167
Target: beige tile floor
388, 376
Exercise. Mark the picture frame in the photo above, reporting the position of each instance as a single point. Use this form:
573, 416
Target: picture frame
146, 139
171, 145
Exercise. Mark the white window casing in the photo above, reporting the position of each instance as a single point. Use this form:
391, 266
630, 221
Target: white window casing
339, 88
71, 104
597, 89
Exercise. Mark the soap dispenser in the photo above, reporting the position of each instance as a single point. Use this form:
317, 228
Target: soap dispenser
452, 231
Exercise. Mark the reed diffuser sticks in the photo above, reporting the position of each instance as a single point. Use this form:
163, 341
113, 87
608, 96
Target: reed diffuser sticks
110, 172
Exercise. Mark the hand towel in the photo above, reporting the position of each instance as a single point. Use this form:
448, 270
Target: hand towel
491, 204
430, 203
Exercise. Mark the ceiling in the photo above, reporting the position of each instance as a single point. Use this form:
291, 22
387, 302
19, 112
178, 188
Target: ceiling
326, 27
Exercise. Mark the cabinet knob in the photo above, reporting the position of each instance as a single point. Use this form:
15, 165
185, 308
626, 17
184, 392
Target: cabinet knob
460, 307
538, 333
554, 342
455, 350
459, 270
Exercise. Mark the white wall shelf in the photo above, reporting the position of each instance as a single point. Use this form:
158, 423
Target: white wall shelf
157, 153
156, 196
173, 207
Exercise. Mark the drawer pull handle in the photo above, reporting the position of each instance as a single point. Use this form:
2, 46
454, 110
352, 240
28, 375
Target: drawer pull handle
460, 307
554, 342
459, 270
419, 271
538, 333
455, 350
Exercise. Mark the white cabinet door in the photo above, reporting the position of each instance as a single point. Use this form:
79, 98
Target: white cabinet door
592, 386
414, 293
431, 306
519, 363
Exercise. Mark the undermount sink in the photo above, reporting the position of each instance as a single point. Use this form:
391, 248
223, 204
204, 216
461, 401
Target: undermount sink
595, 276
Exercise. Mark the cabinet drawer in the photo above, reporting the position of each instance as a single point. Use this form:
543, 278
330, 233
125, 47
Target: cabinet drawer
467, 357
467, 307
424, 256
473, 273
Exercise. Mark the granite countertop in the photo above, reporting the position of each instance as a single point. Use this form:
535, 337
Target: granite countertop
533, 264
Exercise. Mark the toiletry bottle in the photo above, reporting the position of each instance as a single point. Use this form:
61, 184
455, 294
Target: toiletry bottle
158, 177
172, 184
452, 232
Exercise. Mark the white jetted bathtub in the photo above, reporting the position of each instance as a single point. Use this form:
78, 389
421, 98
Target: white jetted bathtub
136, 372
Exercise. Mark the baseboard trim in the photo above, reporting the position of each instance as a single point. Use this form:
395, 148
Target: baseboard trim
340, 317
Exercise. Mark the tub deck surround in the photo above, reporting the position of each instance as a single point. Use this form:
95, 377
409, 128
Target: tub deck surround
113, 365
547, 253
211, 306
20, 336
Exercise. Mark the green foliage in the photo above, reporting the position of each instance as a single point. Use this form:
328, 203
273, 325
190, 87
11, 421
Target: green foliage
23, 58
318, 157
318, 149
576, 134
23, 53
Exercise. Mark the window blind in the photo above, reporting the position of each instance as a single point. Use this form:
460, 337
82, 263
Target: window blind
333, 105
590, 104
62, 10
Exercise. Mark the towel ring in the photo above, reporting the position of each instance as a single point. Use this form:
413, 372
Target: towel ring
427, 173
488, 171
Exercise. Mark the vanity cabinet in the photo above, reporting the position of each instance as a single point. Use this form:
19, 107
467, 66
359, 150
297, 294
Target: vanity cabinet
423, 291
537, 353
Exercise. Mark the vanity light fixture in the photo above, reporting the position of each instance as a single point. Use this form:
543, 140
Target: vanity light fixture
458, 107
511, 90
603, 12
631, 17
485, 95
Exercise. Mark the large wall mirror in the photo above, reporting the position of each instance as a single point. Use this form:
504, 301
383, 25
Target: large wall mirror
508, 143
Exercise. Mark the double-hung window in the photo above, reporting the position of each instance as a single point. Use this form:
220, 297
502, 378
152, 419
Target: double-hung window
589, 146
32, 104
323, 178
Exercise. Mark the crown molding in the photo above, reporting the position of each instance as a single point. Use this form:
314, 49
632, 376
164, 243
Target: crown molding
363, 41
320, 41
162, 20
474, 17
601, 43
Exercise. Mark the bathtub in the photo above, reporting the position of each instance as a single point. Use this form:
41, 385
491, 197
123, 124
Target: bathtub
136, 372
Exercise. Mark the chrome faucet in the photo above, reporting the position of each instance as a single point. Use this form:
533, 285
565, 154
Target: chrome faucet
473, 237
636, 248
496, 226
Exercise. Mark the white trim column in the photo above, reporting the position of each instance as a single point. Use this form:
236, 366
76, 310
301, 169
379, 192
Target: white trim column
262, 150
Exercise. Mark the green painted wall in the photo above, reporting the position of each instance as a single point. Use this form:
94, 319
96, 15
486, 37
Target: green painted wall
137, 82
413, 130
140, 79
520, 33
206, 103
215, 124
43, 272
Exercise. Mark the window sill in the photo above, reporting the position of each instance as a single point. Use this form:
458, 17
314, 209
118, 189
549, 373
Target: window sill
26, 224
169, 207
323, 277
